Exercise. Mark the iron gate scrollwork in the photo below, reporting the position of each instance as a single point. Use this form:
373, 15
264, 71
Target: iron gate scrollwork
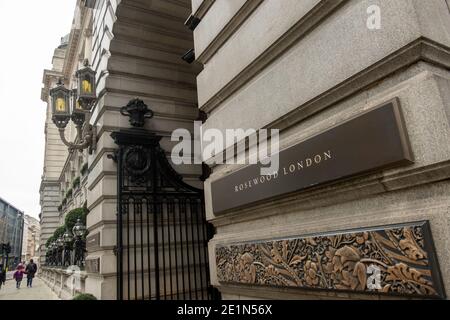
162, 232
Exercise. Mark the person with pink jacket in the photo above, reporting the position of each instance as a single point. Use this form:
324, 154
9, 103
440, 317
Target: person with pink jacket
18, 275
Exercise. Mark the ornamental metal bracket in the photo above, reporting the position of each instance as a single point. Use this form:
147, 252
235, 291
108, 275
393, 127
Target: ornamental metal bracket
87, 136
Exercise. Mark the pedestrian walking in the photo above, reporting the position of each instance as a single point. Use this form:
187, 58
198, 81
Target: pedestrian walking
2, 276
18, 275
30, 271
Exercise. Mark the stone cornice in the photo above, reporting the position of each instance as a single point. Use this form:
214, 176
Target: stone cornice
422, 49
48, 183
231, 27
76, 35
48, 76
203, 8
312, 19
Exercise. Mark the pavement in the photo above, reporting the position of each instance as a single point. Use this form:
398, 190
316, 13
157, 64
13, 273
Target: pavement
39, 291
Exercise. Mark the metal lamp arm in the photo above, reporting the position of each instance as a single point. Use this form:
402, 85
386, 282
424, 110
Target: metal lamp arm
80, 133
86, 140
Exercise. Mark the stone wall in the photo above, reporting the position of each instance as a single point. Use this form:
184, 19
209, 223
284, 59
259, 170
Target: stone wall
54, 158
66, 283
136, 51
312, 65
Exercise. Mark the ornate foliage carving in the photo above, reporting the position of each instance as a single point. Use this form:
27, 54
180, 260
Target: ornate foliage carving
404, 256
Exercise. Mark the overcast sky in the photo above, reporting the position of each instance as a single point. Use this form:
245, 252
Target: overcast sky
30, 30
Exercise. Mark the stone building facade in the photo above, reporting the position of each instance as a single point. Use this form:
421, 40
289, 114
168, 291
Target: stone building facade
30, 240
54, 157
304, 68
63, 186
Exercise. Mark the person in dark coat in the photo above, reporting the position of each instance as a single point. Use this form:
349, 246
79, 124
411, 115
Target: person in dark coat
2, 275
30, 270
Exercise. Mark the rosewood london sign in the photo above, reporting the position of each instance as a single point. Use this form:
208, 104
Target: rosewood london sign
396, 260
372, 141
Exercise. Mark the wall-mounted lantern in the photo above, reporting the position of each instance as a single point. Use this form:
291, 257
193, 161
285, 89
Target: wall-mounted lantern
76, 105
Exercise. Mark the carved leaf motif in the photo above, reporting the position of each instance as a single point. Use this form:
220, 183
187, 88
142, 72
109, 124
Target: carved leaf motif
401, 272
410, 246
252, 274
276, 256
272, 271
386, 288
296, 260
285, 250
311, 273
362, 237
361, 274
333, 262
348, 253
330, 252
247, 258
348, 281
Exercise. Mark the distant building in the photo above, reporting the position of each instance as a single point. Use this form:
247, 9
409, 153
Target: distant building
11, 231
30, 240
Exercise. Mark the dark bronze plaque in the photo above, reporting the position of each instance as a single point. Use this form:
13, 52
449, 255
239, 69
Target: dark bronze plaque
374, 140
396, 260
92, 265
93, 241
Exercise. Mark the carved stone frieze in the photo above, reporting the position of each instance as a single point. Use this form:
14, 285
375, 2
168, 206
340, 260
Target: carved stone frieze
396, 260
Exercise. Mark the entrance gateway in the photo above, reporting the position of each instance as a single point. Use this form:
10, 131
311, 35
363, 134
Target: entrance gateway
162, 233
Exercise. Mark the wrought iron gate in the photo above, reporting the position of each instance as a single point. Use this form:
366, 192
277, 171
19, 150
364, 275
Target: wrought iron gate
162, 232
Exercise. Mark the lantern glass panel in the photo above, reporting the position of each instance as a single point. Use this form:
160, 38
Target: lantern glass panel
67, 237
76, 106
60, 101
79, 229
60, 104
86, 85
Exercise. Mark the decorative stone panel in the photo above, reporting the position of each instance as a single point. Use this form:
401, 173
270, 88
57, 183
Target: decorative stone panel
395, 260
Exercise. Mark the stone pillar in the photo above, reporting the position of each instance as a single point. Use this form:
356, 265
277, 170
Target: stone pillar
50, 199
135, 60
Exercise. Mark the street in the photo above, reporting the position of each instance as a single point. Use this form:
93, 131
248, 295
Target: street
39, 291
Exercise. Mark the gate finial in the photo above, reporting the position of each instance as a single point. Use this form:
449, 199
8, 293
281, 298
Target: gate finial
138, 111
